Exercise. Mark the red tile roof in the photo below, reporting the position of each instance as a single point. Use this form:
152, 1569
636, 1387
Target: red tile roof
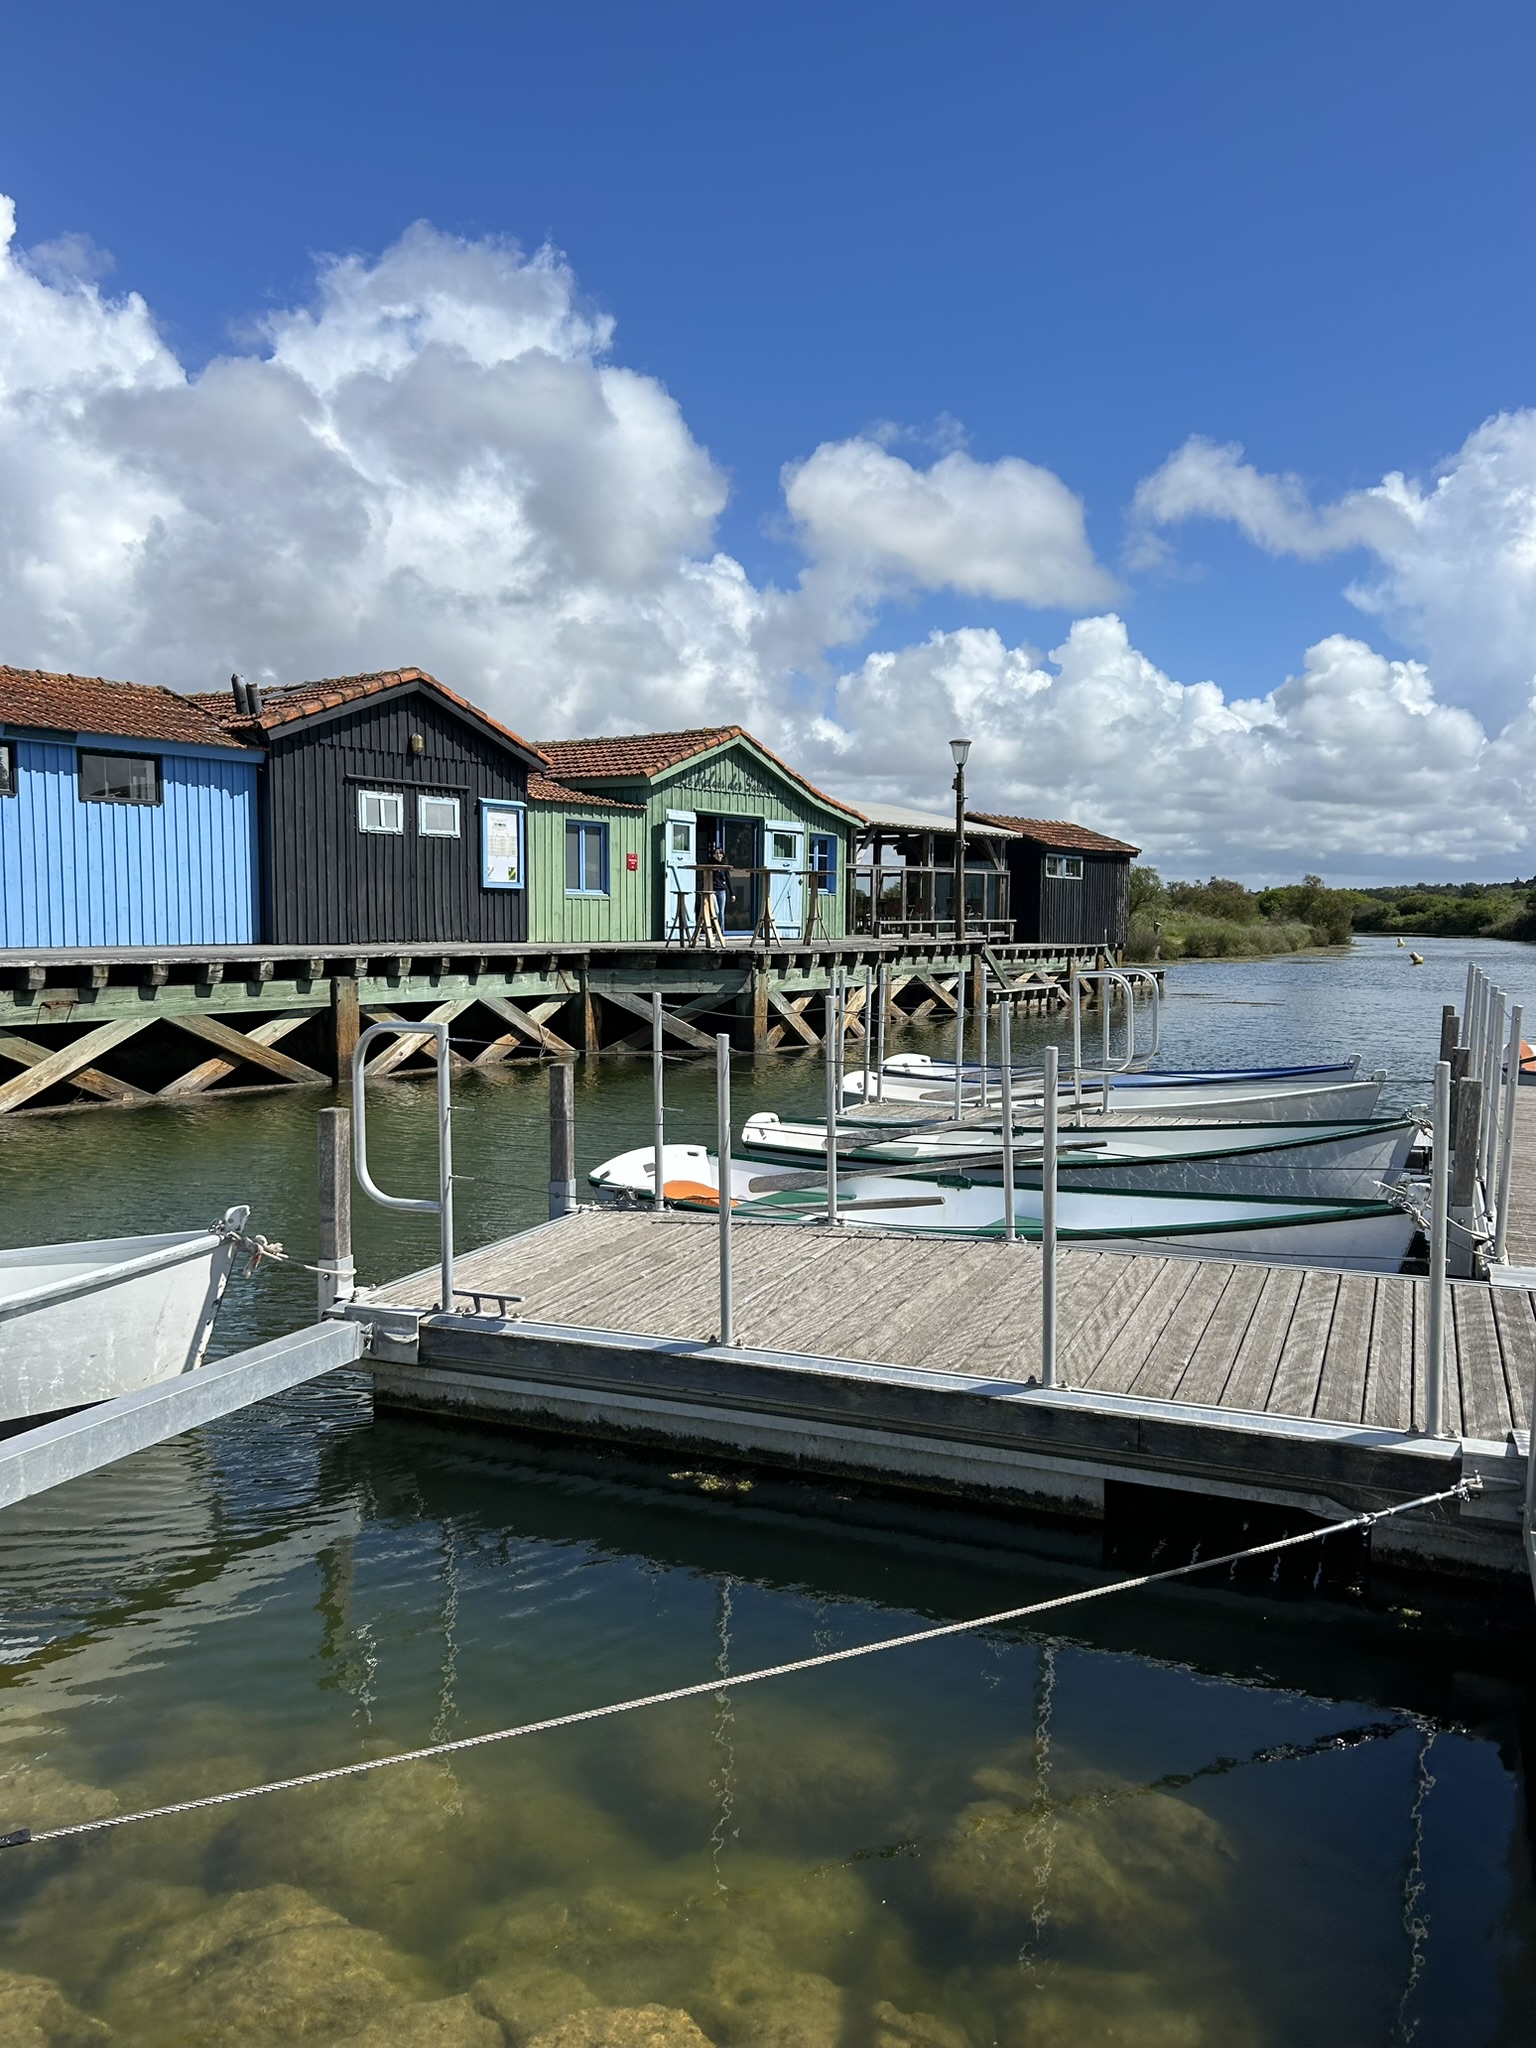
644, 754
1057, 834
285, 702
636, 753
542, 791
130, 711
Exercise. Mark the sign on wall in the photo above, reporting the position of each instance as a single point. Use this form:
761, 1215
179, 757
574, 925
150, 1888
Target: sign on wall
501, 846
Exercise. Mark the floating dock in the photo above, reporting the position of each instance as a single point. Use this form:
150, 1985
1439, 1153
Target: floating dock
913, 1362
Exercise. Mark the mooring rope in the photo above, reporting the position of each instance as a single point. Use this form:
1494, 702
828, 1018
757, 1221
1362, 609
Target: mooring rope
704, 1688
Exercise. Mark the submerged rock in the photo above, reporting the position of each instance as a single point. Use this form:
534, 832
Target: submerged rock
752, 2001
1093, 2008
35, 1795
260, 1969
897, 2029
436, 2023
624, 2026
34, 2013
526, 1997
1127, 1867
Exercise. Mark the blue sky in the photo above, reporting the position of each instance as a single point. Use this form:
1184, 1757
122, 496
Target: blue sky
1075, 235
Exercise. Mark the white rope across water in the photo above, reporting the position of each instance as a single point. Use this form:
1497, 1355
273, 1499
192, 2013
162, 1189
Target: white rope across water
18, 1837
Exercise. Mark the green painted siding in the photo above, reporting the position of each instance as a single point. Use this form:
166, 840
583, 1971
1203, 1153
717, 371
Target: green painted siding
734, 781
556, 918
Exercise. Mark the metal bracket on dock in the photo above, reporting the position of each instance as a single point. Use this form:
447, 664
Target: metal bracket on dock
391, 1335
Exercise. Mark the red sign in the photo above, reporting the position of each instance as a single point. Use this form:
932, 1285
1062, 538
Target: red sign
632, 863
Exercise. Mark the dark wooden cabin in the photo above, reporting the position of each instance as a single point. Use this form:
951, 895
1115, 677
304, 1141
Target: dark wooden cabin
1068, 886
393, 812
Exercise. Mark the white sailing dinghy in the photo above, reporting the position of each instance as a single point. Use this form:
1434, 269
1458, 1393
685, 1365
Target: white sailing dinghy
86, 1322
1345, 1162
1331, 1095
1371, 1236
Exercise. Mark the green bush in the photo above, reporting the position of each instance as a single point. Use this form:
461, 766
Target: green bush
1189, 936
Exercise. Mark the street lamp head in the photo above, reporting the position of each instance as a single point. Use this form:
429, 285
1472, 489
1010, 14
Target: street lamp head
960, 749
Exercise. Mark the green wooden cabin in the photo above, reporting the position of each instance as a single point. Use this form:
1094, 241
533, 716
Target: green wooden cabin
727, 825
589, 866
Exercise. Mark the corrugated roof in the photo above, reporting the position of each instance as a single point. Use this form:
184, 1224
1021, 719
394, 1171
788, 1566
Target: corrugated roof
1058, 834
283, 703
542, 791
903, 818
644, 754
131, 711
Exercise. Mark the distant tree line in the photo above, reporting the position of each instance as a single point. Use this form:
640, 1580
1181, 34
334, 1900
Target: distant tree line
1204, 920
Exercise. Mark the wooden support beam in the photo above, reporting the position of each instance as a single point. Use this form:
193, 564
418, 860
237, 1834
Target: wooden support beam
532, 1030
244, 1045
938, 995
671, 1020
532, 1027
790, 1012
346, 1024
203, 1076
399, 1050
91, 1079
68, 1061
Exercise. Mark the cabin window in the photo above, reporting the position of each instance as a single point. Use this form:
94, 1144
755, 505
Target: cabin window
437, 817
7, 768
786, 845
1064, 867
119, 779
824, 860
586, 859
380, 810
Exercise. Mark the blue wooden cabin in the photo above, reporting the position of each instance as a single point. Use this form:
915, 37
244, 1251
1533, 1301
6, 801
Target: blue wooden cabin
128, 817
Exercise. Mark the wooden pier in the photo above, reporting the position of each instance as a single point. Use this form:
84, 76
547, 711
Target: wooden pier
912, 1361
131, 1027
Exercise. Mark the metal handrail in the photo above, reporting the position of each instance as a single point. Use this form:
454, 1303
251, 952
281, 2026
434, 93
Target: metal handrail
420, 1205
1106, 975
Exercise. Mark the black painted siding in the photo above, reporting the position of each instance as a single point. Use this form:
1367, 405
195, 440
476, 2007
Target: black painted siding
328, 884
1071, 913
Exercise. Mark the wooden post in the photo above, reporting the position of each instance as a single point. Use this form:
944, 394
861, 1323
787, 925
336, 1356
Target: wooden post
759, 1005
336, 1207
1450, 1030
590, 1041
562, 1138
1466, 1121
346, 1022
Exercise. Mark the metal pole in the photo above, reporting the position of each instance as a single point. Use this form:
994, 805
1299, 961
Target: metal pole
1106, 998
833, 1105
562, 1138
1507, 1137
959, 1035
981, 1035
868, 1028
960, 858
885, 996
723, 1183
1439, 1201
442, 1208
339, 1283
1005, 1056
1048, 1225
1077, 1048
1469, 1003
658, 1101
1488, 1136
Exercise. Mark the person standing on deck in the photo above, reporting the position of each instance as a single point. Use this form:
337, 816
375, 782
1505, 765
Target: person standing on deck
719, 882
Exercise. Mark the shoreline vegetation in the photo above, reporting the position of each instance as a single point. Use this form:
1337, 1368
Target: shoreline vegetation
1224, 920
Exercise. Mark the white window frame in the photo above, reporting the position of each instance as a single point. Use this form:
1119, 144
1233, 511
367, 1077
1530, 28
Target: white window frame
382, 797
426, 831
585, 825
1063, 867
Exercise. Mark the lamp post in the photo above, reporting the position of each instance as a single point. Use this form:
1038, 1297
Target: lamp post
960, 749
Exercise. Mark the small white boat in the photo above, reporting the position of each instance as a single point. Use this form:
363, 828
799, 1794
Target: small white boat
1344, 1162
1242, 1101
1370, 1236
81, 1323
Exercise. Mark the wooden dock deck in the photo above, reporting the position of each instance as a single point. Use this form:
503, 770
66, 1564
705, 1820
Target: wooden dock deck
914, 1361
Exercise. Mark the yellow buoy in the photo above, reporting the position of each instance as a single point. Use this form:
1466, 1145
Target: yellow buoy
1417, 959
1402, 942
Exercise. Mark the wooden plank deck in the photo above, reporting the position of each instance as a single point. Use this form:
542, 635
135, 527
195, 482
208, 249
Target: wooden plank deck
1520, 1244
1323, 1346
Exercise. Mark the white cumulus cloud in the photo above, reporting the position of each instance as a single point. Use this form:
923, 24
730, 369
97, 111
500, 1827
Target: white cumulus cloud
1455, 556
437, 459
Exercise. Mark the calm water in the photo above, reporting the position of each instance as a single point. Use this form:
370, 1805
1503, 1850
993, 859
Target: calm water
1196, 1818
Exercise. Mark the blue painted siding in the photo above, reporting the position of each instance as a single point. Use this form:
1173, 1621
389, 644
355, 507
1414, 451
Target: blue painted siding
178, 873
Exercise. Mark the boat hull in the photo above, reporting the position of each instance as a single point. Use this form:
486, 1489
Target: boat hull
81, 1323
1220, 1102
